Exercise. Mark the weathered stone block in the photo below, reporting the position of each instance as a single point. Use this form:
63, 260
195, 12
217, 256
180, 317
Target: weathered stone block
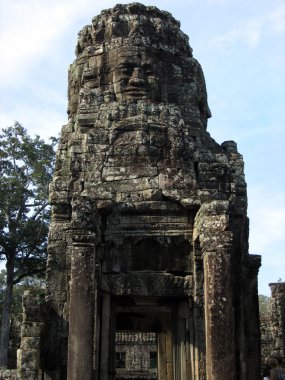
9, 374
31, 329
29, 359
26, 374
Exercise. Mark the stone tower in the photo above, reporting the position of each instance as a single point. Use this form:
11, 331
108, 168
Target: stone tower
149, 231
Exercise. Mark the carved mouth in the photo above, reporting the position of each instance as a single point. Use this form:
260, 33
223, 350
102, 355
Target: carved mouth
135, 91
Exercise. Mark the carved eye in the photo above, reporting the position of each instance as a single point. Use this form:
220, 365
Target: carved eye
126, 70
148, 69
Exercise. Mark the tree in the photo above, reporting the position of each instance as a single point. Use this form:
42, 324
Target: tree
26, 166
35, 284
263, 303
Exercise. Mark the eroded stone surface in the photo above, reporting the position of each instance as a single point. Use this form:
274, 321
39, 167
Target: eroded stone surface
273, 325
149, 228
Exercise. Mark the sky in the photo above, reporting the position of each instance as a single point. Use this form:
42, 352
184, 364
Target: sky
241, 47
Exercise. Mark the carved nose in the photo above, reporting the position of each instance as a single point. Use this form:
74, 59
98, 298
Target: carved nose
137, 77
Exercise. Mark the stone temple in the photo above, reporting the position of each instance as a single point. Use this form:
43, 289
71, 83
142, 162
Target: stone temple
148, 245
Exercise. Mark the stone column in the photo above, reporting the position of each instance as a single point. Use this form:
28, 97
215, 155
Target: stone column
165, 349
54, 350
251, 319
81, 313
277, 318
28, 360
219, 318
212, 227
182, 359
105, 337
198, 336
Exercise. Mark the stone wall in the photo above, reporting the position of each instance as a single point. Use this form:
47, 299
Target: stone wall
273, 324
28, 355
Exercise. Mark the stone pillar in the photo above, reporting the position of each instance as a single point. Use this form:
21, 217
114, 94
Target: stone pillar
182, 360
251, 319
191, 341
81, 313
54, 350
165, 349
32, 325
273, 324
212, 228
277, 318
165, 363
198, 327
105, 337
220, 343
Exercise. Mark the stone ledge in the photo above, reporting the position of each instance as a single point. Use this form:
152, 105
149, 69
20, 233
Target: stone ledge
9, 374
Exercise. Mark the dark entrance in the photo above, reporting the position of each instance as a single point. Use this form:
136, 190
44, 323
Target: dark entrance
136, 355
144, 338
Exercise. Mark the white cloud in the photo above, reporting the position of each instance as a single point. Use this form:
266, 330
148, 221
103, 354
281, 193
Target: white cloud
267, 226
251, 31
277, 20
27, 35
41, 121
267, 216
48, 95
267, 220
42, 111
248, 34
29, 29
266, 235
218, 2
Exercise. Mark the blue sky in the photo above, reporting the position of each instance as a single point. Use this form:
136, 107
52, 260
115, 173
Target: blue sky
241, 47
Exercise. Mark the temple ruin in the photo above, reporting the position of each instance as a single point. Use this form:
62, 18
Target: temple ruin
148, 245
272, 325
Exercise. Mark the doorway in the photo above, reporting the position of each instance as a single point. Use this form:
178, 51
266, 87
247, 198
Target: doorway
136, 355
143, 339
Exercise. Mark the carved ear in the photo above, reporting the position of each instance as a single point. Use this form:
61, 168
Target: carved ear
78, 49
99, 36
120, 29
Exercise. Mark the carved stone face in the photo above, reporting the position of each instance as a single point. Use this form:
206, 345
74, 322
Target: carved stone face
136, 78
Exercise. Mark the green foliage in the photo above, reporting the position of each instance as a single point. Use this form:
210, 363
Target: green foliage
263, 303
26, 166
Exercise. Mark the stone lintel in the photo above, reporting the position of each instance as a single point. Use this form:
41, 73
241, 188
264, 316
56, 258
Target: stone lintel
147, 206
279, 285
83, 239
83, 244
148, 284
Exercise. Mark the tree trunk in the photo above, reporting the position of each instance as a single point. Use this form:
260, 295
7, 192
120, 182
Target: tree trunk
6, 314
